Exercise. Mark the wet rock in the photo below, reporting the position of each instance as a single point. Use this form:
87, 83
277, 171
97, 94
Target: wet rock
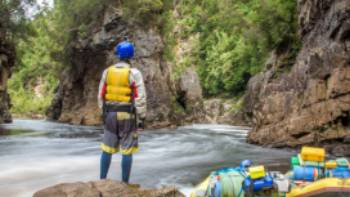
189, 96
337, 149
105, 188
214, 109
224, 111
310, 102
190, 85
347, 140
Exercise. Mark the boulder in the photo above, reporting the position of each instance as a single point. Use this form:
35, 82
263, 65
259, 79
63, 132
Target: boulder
105, 188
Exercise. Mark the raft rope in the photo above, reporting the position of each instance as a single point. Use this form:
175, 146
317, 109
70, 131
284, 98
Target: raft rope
240, 192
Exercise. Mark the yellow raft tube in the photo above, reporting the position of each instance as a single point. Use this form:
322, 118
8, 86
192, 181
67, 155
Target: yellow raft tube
332, 187
200, 189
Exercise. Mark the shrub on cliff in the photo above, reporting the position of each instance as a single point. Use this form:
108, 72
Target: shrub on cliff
236, 38
142, 10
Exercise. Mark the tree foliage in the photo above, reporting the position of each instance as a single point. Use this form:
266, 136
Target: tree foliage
236, 38
36, 75
12, 20
146, 12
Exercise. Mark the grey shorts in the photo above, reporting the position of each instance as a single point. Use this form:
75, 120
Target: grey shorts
120, 133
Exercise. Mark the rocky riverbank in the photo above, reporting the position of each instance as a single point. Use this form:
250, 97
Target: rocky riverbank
308, 102
105, 188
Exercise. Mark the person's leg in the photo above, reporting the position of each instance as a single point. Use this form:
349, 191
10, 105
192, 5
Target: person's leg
104, 164
129, 146
126, 167
110, 144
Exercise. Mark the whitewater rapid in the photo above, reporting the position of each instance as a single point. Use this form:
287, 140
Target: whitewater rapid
35, 154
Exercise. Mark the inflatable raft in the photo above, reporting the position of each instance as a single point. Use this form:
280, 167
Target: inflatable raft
310, 176
223, 182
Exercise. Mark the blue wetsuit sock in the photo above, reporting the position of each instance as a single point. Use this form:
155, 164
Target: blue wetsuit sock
104, 164
126, 167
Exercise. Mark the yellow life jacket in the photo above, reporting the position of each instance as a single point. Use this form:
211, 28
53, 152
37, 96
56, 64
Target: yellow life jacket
118, 86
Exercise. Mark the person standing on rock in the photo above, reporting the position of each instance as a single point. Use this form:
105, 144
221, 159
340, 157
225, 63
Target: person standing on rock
122, 97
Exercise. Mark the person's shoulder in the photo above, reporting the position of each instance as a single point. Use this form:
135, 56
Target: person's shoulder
135, 71
110, 66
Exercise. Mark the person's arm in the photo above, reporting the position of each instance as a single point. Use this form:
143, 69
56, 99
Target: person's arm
102, 89
140, 98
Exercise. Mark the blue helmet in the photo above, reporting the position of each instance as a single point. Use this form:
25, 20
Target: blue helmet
246, 164
124, 50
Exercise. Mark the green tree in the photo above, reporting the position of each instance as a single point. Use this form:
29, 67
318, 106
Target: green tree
36, 75
236, 38
12, 21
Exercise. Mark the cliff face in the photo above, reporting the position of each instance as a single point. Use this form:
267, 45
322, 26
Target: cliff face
7, 61
76, 98
309, 102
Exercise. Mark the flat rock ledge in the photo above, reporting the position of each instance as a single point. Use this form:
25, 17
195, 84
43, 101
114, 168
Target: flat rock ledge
105, 188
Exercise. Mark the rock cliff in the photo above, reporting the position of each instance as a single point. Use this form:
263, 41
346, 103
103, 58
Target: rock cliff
308, 102
104, 188
76, 97
7, 61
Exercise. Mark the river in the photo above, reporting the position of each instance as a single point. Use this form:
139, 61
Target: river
35, 154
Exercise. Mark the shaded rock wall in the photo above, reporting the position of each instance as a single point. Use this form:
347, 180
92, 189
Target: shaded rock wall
7, 61
308, 103
76, 98
105, 188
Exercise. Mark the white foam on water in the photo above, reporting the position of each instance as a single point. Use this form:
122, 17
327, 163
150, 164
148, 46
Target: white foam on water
179, 157
26, 177
215, 127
